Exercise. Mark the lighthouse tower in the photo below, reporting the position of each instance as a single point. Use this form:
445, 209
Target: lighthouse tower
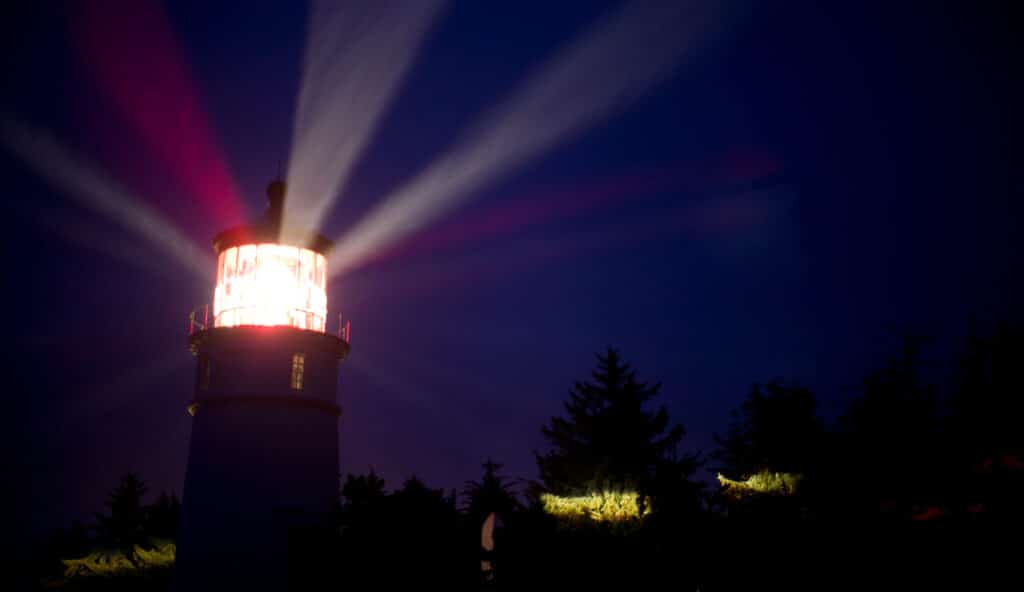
263, 456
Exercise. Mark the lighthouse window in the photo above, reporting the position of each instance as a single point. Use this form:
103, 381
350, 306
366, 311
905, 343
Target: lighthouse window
298, 370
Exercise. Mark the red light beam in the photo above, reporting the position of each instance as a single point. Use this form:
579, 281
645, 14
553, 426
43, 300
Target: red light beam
131, 50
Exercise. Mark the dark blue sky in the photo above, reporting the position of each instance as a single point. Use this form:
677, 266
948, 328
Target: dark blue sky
811, 185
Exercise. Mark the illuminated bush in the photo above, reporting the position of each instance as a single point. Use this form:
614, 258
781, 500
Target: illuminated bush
115, 563
603, 506
763, 483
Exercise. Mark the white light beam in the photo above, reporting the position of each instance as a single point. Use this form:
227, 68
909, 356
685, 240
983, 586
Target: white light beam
356, 55
90, 188
620, 59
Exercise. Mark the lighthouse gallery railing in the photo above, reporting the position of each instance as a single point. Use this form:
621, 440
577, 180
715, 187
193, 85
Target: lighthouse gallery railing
200, 319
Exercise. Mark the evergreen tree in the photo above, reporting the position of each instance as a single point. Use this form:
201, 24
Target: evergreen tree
987, 403
422, 522
362, 491
125, 526
775, 429
420, 506
162, 517
987, 406
490, 494
890, 451
607, 438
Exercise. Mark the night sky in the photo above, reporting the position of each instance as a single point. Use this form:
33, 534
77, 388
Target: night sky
810, 184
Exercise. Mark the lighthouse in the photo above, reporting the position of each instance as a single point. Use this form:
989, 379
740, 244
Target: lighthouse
263, 453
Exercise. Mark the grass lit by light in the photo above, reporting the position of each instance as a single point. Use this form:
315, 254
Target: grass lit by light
601, 506
763, 483
114, 563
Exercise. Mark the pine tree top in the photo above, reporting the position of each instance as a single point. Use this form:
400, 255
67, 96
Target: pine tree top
606, 435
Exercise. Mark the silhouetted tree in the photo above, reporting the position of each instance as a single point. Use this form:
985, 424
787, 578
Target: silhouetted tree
406, 537
607, 437
775, 429
988, 405
988, 402
125, 526
890, 450
610, 438
675, 495
367, 533
362, 490
490, 494
423, 524
415, 495
63, 544
162, 517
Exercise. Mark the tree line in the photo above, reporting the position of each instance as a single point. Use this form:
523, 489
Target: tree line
897, 484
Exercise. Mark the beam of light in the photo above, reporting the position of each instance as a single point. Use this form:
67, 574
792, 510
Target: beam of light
96, 404
716, 188
510, 216
389, 379
356, 55
72, 228
624, 56
132, 51
90, 188
723, 218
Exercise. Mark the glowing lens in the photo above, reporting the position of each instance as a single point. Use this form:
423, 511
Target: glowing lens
270, 284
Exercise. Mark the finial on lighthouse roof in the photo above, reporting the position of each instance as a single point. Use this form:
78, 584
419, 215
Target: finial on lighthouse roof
275, 195
275, 191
